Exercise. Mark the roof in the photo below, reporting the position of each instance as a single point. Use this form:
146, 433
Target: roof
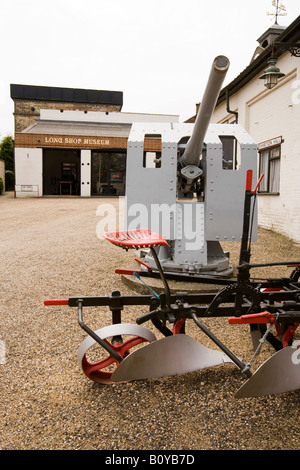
291, 34
74, 95
93, 123
78, 128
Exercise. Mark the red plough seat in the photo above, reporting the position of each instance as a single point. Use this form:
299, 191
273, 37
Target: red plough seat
136, 239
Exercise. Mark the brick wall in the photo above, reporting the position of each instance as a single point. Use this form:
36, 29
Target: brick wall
80, 142
27, 111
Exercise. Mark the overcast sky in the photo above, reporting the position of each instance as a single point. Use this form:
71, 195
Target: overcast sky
158, 52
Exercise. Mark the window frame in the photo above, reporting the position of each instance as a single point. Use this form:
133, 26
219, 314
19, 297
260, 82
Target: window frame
272, 154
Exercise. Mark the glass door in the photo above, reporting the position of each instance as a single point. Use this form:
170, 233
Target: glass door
108, 173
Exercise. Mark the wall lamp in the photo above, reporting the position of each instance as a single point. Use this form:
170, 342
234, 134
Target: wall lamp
272, 73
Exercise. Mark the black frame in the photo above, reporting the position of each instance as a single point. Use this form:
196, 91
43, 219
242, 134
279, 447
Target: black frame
110, 183
270, 159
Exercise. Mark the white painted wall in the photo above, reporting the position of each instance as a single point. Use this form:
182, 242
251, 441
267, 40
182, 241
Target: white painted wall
29, 169
266, 114
101, 116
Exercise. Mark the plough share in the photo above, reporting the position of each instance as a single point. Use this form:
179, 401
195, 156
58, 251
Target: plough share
263, 305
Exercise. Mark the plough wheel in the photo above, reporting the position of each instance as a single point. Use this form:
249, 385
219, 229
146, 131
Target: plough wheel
115, 335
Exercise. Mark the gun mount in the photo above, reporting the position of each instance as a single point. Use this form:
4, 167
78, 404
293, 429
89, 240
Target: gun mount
186, 182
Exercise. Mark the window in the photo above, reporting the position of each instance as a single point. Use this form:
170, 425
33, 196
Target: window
230, 150
269, 165
152, 158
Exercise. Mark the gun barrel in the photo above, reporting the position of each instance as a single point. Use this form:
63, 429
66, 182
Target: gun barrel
193, 149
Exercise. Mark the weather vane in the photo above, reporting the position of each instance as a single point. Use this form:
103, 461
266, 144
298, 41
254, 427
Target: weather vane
280, 10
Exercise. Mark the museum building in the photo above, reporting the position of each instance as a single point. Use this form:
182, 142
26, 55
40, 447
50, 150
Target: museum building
73, 141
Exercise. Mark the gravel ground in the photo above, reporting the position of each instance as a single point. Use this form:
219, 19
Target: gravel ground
49, 249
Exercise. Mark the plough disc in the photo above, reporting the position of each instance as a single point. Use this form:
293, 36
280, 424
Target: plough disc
172, 355
278, 374
101, 371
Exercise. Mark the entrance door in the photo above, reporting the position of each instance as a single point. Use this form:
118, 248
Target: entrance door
108, 173
61, 172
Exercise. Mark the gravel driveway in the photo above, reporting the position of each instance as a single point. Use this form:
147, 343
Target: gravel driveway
49, 249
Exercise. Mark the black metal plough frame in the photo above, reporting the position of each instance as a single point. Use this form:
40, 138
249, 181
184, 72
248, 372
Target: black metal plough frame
270, 302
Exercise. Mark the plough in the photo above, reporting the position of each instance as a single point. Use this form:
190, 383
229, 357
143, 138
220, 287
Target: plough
132, 352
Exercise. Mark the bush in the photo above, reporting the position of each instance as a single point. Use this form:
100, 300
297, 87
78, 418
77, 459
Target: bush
9, 181
1, 185
7, 152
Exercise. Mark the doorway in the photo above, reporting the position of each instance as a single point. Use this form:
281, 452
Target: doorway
61, 172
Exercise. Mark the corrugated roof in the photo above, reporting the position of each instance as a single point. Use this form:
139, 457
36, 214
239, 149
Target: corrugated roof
73, 128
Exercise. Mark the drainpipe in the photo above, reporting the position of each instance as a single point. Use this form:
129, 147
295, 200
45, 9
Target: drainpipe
235, 113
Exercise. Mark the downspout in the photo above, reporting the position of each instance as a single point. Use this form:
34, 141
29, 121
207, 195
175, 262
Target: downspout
235, 113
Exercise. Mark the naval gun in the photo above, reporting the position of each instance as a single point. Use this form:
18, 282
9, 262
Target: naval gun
189, 164
185, 181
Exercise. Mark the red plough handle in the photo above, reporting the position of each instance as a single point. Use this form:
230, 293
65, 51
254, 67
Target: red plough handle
258, 183
56, 302
249, 181
263, 317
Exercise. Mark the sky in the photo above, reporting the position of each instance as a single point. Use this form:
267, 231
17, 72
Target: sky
157, 52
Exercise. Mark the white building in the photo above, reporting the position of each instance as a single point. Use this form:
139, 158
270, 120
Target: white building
272, 118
